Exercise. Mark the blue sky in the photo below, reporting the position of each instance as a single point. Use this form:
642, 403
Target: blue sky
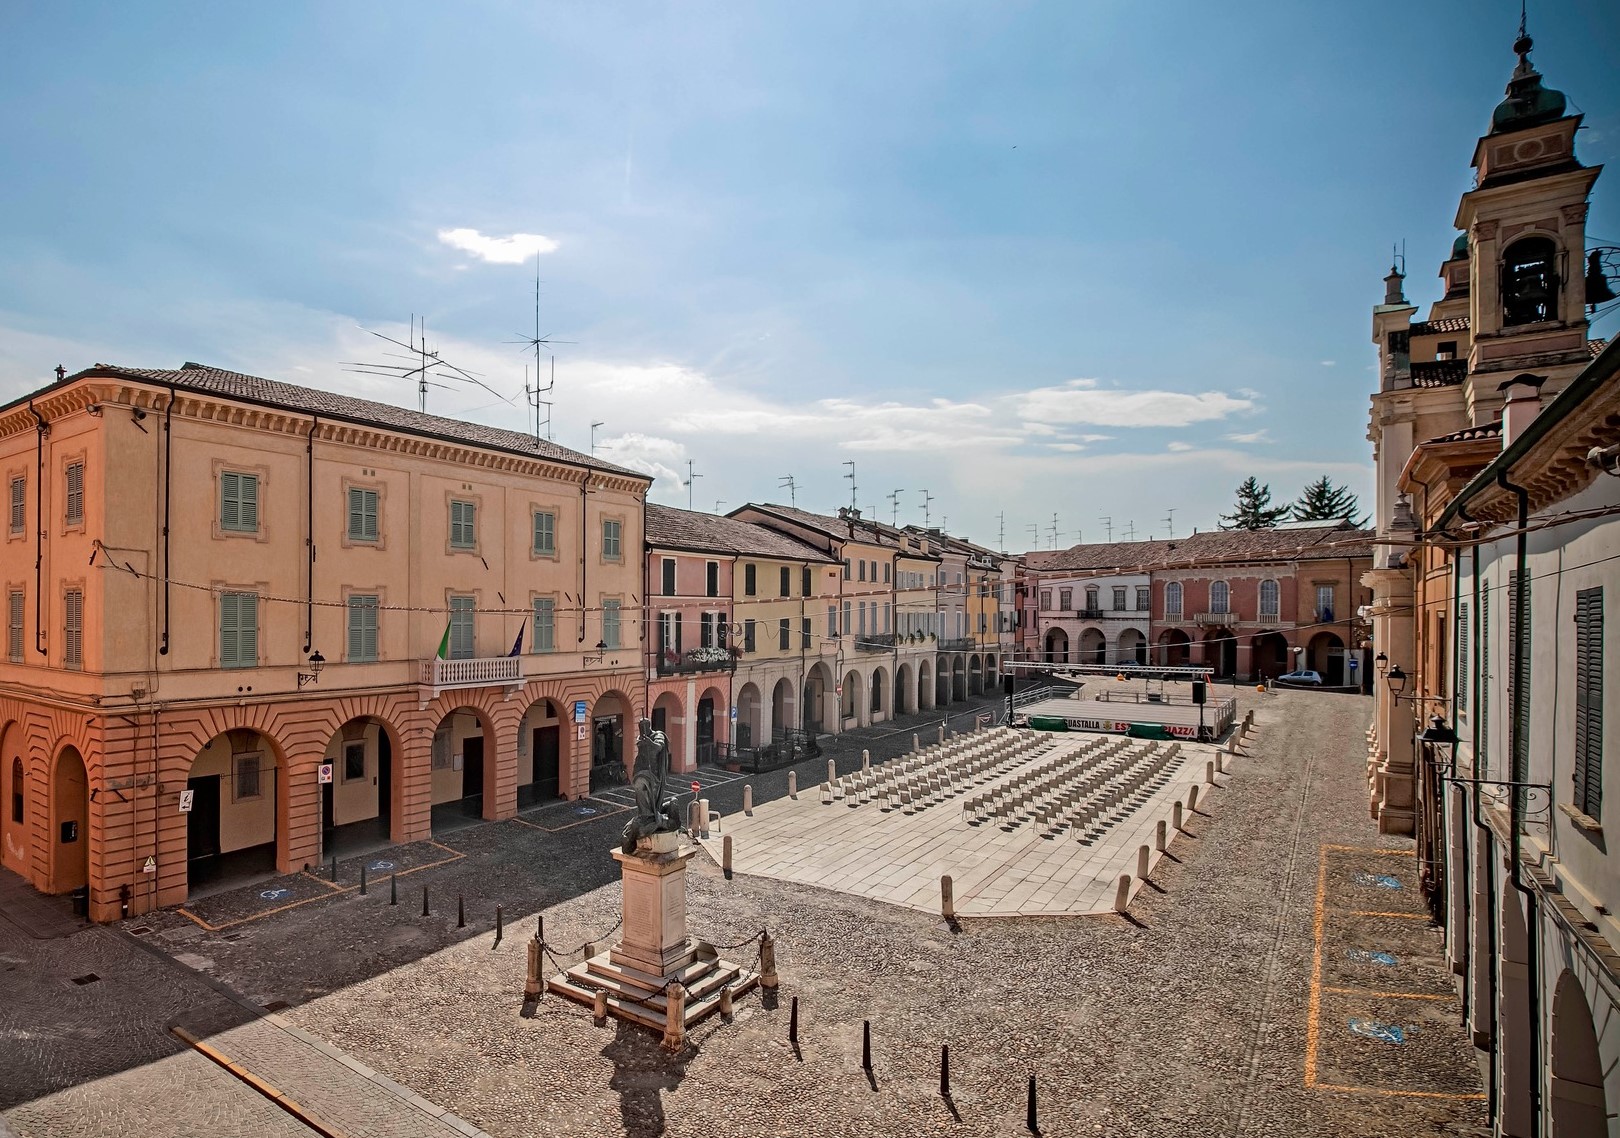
1090, 259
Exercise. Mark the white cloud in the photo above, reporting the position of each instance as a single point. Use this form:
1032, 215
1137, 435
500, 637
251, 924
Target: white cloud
1250, 438
1069, 448
1329, 363
1178, 446
1082, 401
513, 250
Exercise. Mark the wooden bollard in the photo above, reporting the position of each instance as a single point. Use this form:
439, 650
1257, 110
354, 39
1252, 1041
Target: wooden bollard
793, 784
725, 1002
866, 760
1142, 855
1159, 835
675, 1017
599, 1008
725, 856
532, 987
748, 800
1175, 816
767, 962
947, 898
1122, 893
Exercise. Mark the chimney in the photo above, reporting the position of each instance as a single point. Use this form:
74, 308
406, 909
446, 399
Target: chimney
1392, 286
1522, 395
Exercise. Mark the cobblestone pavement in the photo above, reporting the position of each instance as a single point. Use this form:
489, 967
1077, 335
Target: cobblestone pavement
1214, 1009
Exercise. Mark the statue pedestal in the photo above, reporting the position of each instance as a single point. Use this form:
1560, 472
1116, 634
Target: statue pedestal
654, 951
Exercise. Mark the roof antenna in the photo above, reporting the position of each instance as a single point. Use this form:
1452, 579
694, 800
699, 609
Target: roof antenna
894, 508
1170, 522
1001, 531
787, 480
850, 462
1108, 525
538, 395
1130, 531
927, 498
419, 363
690, 478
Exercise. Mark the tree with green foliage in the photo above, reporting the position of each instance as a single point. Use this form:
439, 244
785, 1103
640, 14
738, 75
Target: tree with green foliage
1322, 501
1254, 508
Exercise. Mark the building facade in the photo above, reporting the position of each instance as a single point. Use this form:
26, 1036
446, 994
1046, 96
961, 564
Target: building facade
251, 622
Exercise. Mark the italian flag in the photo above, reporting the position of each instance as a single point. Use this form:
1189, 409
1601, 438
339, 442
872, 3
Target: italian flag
444, 643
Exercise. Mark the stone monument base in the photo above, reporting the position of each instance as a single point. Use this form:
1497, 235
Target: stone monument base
654, 951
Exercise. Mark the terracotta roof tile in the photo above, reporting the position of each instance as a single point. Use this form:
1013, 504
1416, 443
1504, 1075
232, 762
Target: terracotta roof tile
1470, 434
671, 528
1295, 542
1444, 324
310, 400
1439, 373
1595, 347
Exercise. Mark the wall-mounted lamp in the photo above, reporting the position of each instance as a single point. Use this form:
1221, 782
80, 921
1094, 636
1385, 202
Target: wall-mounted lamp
316, 663
601, 651
1438, 733
1396, 680
1382, 661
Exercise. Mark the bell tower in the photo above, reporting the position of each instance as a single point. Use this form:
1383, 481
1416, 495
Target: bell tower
1525, 220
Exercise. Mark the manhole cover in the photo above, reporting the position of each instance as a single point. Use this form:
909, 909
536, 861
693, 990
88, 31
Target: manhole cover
140, 930
87, 978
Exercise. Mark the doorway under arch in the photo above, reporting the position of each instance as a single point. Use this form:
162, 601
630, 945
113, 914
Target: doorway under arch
905, 691
879, 691
70, 822
612, 736
975, 676
748, 718
16, 797
1093, 647
850, 708
784, 712
1579, 1108
925, 685
541, 764
1268, 655
463, 768
1326, 655
1220, 652
360, 804
1175, 648
1132, 647
1057, 646
818, 688
233, 830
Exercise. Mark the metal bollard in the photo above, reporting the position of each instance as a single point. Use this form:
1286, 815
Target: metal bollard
425, 911
692, 818
1030, 1118
767, 962
866, 1046
725, 856
793, 1022
703, 816
944, 1070
393, 888
334, 867
500, 922
461, 912
947, 897
362, 879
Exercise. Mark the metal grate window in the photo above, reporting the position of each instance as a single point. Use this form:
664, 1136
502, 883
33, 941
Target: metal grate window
246, 781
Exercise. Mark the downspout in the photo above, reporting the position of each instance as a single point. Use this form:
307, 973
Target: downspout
309, 533
1463, 862
1522, 638
168, 476
1487, 866
584, 486
41, 429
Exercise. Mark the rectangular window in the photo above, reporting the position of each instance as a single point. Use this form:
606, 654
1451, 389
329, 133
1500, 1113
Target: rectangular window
1172, 599
832, 621
1462, 656
846, 568
888, 617
14, 627
73, 641
610, 623
19, 504
787, 581
748, 635
245, 781
860, 610
362, 628
847, 611
238, 502
808, 582
1046, 599
1143, 598
861, 573
669, 576
545, 532
354, 761
1093, 601
362, 514
461, 628
750, 580
545, 625
666, 632
712, 577
983, 622
804, 632
1065, 599
1119, 598
887, 569
463, 534
75, 494
612, 545
1589, 702
784, 633
238, 630
1324, 603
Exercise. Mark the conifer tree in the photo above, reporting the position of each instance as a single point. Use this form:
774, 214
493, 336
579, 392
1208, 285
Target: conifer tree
1254, 508
1322, 501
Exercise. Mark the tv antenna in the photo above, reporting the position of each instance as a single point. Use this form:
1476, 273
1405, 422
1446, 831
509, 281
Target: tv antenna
690, 478
598, 423
850, 462
792, 486
927, 498
1054, 531
418, 363
1170, 522
1108, 527
894, 507
718, 502
539, 396
1130, 531
1001, 531
1035, 534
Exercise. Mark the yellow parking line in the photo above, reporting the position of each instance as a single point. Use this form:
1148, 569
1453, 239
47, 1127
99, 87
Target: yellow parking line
1315, 1008
337, 889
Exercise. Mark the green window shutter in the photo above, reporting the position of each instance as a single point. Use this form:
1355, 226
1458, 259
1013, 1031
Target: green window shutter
73, 641
1482, 762
248, 489
75, 493
1519, 673
545, 625
238, 630
362, 628
362, 514
462, 531
461, 628
545, 532
249, 629
1462, 656
1589, 702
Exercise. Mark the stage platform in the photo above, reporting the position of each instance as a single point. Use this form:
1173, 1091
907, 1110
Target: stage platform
1118, 713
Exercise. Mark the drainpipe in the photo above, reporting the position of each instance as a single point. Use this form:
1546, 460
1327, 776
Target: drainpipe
168, 468
41, 430
1516, 707
1487, 867
309, 533
1463, 859
584, 486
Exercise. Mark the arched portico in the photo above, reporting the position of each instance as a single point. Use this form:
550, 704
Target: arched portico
1057, 646
1326, 655
1513, 1013
1132, 647
17, 797
853, 700
905, 690
820, 703
878, 696
1220, 652
236, 827
1579, 1106
711, 724
958, 678
1174, 648
1268, 655
925, 685
784, 708
70, 822
542, 754
1093, 646
463, 767
613, 736
749, 731
975, 670
361, 806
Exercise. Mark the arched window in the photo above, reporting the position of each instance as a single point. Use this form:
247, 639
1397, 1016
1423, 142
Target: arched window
1220, 597
17, 785
1172, 599
1268, 598
1529, 281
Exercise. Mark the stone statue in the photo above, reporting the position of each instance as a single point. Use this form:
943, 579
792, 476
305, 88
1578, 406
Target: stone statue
654, 813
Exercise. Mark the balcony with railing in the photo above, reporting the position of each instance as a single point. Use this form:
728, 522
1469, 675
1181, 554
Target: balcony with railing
477, 672
1215, 619
874, 641
694, 661
958, 644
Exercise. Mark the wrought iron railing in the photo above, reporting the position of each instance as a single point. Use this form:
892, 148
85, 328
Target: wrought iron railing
874, 641
686, 666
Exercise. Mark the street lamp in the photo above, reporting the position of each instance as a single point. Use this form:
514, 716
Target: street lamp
1438, 732
316, 663
1382, 661
1396, 680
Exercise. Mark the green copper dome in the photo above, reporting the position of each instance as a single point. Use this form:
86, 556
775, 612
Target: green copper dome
1459, 247
1528, 103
